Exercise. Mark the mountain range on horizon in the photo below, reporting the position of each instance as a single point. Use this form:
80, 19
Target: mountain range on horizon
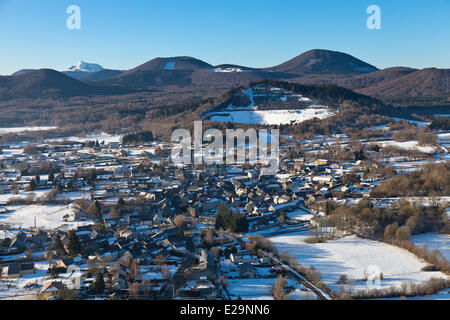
314, 66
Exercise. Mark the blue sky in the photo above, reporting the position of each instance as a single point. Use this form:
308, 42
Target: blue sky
121, 34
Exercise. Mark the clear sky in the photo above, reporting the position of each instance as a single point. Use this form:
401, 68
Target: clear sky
121, 34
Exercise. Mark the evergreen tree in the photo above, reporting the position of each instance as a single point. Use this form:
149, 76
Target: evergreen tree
231, 221
93, 175
95, 211
359, 155
120, 202
180, 233
74, 246
98, 286
58, 247
51, 176
32, 185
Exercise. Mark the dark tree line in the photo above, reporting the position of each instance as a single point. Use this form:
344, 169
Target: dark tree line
441, 123
232, 221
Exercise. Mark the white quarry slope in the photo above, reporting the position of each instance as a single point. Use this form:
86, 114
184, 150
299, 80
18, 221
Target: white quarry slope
273, 117
85, 67
253, 114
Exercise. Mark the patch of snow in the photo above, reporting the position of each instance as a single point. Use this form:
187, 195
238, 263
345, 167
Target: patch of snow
107, 138
407, 145
47, 216
273, 117
85, 67
24, 129
229, 70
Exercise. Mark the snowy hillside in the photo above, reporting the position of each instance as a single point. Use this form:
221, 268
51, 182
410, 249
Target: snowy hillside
269, 106
273, 117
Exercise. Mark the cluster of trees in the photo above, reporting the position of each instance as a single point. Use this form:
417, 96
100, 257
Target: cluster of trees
257, 243
95, 211
432, 180
422, 135
441, 123
44, 168
34, 183
394, 151
166, 111
324, 92
88, 175
352, 115
229, 220
92, 144
73, 247
137, 137
30, 149
278, 289
389, 222
311, 273
98, 286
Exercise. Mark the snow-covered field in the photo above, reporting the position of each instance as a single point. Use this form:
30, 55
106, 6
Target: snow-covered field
4, 198
23, 129
47, 217
407, 145
300, 214
443, 137
27, 286
355, 257
107, 138
273, 117
261, 289
437, 241
251, 289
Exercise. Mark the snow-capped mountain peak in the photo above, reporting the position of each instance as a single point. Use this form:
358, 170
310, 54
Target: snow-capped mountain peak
85, 67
